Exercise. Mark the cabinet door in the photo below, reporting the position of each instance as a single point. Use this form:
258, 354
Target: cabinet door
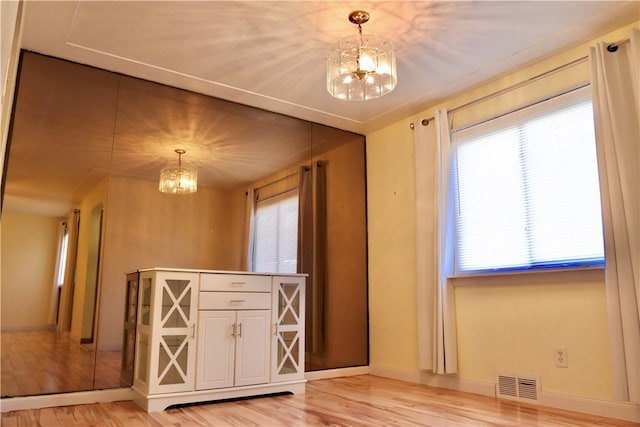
252, 347
216, 342
287, 357
174, 321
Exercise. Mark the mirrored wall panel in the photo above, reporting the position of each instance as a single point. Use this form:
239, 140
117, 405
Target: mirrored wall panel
82, 209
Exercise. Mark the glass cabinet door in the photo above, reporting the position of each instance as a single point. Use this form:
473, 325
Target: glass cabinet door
173, 356
288, 318
143, 331
174, 343
129, 332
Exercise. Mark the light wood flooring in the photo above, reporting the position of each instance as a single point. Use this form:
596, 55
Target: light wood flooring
45, 361
352, 401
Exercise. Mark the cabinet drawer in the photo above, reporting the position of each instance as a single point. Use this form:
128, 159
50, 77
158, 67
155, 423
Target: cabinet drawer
234, 301
235, 282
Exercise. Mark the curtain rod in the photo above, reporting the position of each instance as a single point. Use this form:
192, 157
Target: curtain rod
514, 110
282, 178
520, 84
514, 86
611, 47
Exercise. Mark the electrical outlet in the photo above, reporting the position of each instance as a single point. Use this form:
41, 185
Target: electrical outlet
561, 357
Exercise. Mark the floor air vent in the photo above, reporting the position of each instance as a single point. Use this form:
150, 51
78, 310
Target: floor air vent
517, 387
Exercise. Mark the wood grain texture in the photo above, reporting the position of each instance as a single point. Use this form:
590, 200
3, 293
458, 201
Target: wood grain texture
352, 401
46, 361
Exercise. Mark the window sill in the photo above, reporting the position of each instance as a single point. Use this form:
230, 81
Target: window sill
530, 276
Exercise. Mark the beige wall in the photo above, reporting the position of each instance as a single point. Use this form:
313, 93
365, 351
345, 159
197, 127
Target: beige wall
29, 250
501, 325
391, 222
145, 228
513, 324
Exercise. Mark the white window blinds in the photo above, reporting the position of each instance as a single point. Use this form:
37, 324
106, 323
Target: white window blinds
276, 233
527, 189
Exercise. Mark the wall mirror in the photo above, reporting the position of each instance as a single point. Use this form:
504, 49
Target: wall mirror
85, 150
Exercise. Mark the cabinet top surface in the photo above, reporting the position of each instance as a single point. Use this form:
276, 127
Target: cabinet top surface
190, 270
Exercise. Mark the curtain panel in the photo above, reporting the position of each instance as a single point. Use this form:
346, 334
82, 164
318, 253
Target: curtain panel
437, 344
615, 81
312, 250
249, 212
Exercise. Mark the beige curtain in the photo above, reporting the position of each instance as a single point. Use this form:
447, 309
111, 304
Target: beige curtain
426, 151
437, 344
312, 248
615, 81
305, 245
249, 213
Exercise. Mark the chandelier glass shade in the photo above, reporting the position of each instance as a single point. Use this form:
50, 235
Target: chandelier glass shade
180, 180
361, 67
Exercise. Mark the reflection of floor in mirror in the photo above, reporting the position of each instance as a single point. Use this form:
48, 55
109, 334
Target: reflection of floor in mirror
44, 362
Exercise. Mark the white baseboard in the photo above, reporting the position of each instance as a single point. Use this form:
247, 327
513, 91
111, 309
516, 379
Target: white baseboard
65, 399
335, 373
603, 408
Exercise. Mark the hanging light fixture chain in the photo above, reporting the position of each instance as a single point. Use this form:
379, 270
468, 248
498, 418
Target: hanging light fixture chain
180, 152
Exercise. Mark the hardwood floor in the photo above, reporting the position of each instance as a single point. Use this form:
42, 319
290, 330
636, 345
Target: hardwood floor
45, 361
352, 401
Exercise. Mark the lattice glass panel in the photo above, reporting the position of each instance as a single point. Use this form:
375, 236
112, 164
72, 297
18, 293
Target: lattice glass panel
128, 351
288, 304
288, 351
132, 303
145, 302
172, 359
176, 302
143, 353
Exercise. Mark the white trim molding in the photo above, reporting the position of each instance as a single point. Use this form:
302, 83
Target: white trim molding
66, 399
617, 410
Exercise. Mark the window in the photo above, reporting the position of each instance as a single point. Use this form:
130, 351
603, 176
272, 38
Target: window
527, 191
276, 233
62, 256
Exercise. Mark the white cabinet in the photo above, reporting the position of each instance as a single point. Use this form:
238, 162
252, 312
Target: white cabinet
216, 352
252, 347
233, 345
165, 333
209, 335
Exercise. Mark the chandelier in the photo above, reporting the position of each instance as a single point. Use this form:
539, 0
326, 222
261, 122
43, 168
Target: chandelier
361, 67
179, 180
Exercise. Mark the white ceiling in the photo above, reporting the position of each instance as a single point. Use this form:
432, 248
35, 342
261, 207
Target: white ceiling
271, 54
